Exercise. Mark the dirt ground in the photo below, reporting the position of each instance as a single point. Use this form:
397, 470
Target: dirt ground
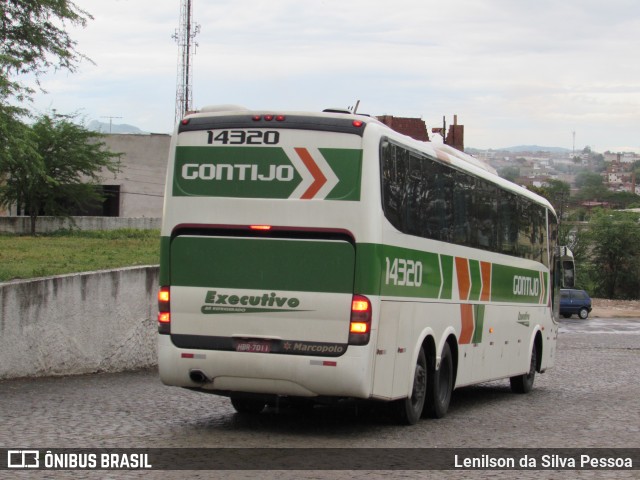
614, 308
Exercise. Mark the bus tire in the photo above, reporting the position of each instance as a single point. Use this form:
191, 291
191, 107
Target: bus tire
248, 405
409, 410
524, 383
440, 385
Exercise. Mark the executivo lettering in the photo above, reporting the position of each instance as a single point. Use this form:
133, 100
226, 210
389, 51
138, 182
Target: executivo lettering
234, 303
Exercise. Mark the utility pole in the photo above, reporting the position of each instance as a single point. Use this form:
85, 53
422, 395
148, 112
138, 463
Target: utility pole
110, 120
184, 37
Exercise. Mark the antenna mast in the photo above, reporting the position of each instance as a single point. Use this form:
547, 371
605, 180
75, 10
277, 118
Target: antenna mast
110, 120
184, 37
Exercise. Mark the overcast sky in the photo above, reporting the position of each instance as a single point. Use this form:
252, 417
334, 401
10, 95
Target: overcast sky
515, 72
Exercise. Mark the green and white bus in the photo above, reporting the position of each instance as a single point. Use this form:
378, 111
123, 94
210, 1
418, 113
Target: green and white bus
324, 256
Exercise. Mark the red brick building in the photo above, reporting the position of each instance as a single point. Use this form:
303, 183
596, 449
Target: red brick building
417, 129
412, 127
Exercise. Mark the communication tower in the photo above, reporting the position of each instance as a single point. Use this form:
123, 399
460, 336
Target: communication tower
184, 37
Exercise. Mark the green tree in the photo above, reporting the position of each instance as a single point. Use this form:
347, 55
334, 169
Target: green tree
622, 200
12, 134
510, 173
588, 179
591, 187
34, 40
557, 192
597, 162
614, 263
55, 169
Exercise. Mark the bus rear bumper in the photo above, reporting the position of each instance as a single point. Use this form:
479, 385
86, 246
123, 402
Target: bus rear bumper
263, 373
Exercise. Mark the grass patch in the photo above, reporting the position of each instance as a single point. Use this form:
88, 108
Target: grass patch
76, 251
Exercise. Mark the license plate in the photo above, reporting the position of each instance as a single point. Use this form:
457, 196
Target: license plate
253, 346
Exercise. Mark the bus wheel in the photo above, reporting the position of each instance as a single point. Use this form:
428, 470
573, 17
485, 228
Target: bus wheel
248, 405
440, 386
409, 409
524, 383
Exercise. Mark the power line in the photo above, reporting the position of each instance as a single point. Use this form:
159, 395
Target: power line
110, 120
140, 193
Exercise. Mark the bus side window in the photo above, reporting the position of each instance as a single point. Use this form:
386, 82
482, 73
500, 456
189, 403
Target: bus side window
462, 208
438, 210
484, 214
417, 196
393, 184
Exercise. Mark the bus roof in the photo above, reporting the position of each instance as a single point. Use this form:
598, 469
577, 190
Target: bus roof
343, 122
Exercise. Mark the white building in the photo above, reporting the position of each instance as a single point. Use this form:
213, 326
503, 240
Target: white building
137, 190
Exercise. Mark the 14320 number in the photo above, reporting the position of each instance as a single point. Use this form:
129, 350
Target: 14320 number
243, 137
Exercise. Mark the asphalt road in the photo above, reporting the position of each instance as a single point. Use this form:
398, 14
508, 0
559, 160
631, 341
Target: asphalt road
589, 399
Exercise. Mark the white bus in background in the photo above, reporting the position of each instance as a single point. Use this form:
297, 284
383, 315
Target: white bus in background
325, 256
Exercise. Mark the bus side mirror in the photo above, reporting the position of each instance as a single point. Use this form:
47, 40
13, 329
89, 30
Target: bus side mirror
568, 275
568, 268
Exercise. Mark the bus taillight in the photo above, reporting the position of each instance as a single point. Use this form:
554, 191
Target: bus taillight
268, 118
164, 311
360, 325
163, 295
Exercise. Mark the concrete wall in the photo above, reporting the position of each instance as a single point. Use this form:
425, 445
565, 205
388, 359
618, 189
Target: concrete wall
22, 225
80, 323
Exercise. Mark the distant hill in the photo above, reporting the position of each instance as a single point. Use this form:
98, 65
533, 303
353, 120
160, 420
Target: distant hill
103, 127
518, 149
533, 148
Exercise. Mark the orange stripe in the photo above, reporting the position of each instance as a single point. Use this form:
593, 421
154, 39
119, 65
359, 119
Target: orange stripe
464, 279
318, 177
466, 315
485, 268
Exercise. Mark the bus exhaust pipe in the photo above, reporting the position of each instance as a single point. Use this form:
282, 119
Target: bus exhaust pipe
198, 376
